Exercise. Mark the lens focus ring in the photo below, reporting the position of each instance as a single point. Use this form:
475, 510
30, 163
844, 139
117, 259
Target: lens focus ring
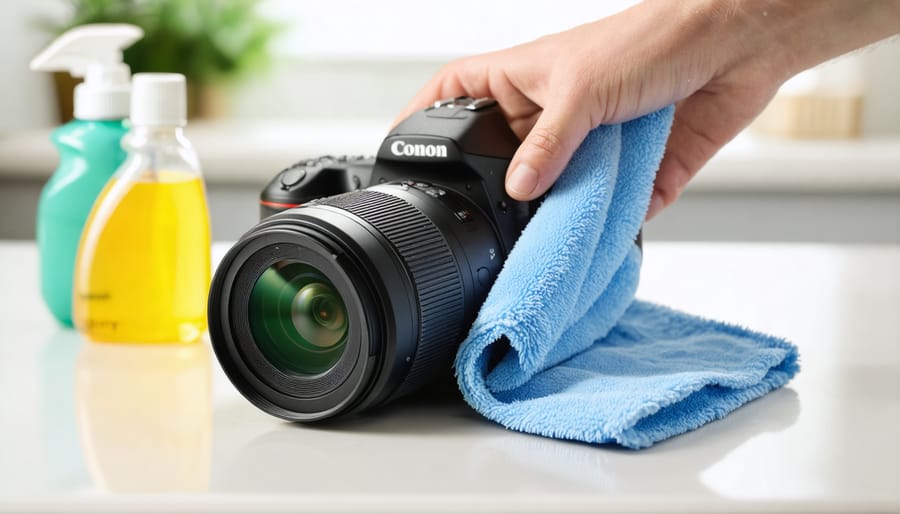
430, 262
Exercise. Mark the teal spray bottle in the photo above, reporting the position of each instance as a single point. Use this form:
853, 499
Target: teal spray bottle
89, 148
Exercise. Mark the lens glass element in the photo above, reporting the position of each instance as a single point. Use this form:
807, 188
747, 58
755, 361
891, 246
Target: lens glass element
297, 318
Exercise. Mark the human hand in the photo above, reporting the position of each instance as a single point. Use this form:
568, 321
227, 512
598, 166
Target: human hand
720, 61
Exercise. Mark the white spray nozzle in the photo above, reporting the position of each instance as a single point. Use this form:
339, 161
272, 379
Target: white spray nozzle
95, 53
78, 48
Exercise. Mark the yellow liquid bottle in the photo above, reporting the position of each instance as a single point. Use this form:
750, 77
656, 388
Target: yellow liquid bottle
143, 268
143, 275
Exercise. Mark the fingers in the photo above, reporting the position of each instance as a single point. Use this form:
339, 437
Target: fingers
429, 93
454, 79
703, 123
545, 152
550, 136
685, 154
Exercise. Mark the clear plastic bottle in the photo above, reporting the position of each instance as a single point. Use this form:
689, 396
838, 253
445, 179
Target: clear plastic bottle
143, 267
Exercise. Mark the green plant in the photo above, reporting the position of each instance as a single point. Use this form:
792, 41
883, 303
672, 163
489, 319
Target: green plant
206, 40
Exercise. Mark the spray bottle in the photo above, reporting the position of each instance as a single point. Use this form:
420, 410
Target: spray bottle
143, 266
89, 148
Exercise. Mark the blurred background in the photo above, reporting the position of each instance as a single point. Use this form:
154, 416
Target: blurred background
276, 81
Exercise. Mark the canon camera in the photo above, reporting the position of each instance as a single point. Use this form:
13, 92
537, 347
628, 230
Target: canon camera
365, 274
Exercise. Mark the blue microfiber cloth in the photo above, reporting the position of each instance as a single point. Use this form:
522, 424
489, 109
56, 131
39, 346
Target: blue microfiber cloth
560, 347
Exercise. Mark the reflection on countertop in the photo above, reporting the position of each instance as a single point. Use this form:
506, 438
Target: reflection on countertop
429, 433
143, 423
145, 416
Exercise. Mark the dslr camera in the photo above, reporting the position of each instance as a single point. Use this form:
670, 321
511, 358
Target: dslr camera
365, 274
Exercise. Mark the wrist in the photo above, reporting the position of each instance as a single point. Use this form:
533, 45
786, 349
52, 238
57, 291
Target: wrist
739, 34
799, 34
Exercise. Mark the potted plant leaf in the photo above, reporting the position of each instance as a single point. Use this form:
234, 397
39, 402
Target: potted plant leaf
212, 42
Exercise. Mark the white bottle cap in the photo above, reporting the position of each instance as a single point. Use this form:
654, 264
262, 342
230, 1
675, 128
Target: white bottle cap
158, 99
95, 53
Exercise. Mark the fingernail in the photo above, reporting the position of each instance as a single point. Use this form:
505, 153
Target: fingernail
522, 180
656, 205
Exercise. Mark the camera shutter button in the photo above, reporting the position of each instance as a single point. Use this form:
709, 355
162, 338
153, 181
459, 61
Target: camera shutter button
481, 103
293, 177
457, 101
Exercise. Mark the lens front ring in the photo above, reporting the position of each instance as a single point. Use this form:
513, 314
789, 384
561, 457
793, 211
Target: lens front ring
293, 396
295, 380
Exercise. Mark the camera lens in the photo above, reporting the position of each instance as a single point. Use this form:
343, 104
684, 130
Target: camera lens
297, 318
353, 300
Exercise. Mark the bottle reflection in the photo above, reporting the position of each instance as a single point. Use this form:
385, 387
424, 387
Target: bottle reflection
63, 461
145, 416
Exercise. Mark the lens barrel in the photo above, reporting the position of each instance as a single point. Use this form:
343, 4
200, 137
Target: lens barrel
350, 301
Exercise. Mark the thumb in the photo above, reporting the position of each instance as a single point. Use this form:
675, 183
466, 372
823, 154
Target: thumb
545, 152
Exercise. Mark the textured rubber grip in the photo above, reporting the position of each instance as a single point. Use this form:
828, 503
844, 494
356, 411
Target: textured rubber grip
435, 276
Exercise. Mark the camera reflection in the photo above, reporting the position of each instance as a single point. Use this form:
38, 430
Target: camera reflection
145, 416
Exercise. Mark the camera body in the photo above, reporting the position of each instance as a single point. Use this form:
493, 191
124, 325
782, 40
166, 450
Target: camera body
364, 275
459, 144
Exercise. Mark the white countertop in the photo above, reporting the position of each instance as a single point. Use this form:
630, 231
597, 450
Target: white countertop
252, 152
106, 428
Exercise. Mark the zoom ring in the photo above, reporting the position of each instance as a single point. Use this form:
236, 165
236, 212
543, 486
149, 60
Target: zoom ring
430, 262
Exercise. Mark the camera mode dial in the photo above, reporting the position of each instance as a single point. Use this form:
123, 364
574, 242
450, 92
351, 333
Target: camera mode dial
309, 179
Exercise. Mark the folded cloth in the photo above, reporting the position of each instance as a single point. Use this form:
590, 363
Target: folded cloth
560, 347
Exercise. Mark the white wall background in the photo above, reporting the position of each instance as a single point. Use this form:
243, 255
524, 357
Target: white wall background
345, 59
416, 30
26, 99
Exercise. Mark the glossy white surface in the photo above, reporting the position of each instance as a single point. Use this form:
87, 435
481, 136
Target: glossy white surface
104, 428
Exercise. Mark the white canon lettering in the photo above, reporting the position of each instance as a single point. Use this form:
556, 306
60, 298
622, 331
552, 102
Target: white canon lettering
400, 149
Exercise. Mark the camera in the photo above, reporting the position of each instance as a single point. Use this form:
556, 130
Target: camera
365, 274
